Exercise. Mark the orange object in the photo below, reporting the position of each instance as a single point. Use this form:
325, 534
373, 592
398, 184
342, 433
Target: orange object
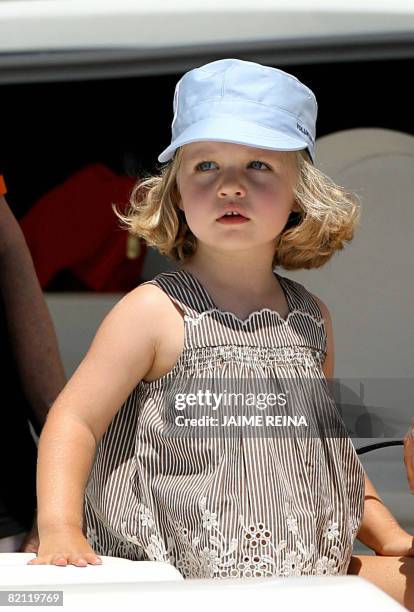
3, 189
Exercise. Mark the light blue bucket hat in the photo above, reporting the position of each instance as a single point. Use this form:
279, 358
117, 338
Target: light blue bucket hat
233, 100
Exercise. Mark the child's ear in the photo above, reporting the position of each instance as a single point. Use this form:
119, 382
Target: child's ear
296, 207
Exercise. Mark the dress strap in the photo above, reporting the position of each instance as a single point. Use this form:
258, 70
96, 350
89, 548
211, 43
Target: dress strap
299, 298
184, 291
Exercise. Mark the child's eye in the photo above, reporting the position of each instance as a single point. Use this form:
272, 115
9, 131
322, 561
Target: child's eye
201, 164
209, 162
256, 161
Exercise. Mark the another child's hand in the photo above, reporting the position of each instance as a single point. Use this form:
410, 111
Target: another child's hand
409, 455
65, 546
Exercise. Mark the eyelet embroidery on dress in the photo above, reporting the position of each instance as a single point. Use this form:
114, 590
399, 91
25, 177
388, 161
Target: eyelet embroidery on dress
354, 526
93, 540
195, 320
145, 517
128, 548
221, 560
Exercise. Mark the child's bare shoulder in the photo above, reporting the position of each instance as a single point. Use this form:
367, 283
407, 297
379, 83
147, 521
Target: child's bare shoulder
131, 323
143, 296
147, 299
153, 311
149, 306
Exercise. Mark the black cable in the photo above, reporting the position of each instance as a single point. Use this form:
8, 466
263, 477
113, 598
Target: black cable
369, 447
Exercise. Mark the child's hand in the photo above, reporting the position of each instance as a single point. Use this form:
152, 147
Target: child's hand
65, 546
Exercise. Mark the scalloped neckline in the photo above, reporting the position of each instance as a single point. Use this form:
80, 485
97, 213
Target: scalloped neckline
214, 307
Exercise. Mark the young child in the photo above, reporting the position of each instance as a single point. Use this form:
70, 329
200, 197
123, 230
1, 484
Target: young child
243, 140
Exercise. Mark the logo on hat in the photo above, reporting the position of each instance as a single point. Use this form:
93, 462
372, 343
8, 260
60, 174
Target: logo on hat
304, 131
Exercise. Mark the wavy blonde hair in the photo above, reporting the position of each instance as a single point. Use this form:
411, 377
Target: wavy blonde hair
328, 217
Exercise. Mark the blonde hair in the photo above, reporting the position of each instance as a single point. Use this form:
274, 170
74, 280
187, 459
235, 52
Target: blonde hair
328, 217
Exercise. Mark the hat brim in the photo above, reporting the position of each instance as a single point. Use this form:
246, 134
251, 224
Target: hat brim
227, 129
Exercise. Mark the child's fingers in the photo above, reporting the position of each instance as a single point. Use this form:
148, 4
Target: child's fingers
83, 560
409, 460
49, 560
93, 559
79, 560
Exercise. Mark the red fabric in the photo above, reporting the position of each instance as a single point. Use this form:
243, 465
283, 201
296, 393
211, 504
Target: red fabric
3, 189
74, 227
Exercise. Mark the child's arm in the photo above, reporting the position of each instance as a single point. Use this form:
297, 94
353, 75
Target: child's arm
120, 355
379, 530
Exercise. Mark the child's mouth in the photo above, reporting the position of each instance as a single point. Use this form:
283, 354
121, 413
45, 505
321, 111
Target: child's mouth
231, 219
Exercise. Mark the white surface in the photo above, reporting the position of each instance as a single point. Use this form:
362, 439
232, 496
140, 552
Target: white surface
15, 572
65, 24
343, 593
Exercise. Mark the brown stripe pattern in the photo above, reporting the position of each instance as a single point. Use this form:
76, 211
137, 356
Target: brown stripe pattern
231, 506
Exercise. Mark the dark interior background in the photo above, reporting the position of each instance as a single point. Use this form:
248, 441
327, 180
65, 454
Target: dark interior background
50, 130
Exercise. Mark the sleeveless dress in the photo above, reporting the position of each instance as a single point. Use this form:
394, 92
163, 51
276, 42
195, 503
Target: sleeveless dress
234, 505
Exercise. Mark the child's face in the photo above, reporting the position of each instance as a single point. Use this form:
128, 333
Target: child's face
260, 181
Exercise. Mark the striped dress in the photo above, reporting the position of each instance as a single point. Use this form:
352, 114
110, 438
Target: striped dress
244, 503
